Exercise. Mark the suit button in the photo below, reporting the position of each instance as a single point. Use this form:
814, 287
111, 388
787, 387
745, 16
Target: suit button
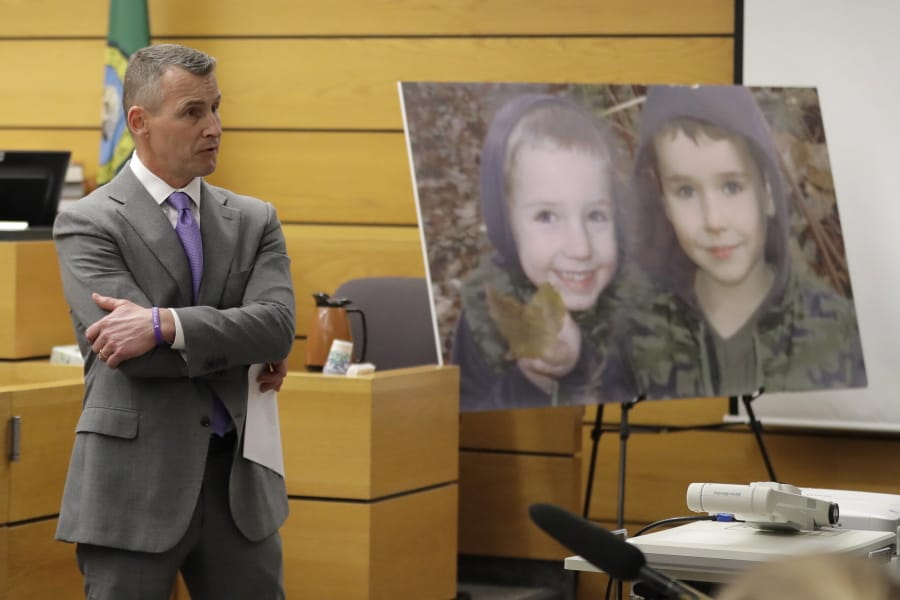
205, 421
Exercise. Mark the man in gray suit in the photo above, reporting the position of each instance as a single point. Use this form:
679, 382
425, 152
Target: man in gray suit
168, 325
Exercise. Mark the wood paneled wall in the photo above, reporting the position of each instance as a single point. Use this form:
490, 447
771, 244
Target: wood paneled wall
310, 105
661, 465
312, 114
313, 124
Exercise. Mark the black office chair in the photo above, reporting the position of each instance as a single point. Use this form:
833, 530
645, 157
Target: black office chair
400, 329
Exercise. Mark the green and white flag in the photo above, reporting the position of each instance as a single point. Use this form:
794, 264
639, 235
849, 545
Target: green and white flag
129, 30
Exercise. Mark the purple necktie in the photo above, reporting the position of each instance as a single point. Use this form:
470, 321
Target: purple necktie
189, 233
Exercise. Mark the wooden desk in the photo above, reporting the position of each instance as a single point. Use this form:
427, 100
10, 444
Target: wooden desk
372, 468
47, 401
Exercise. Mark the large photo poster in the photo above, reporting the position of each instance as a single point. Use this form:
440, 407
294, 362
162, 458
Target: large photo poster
601, 243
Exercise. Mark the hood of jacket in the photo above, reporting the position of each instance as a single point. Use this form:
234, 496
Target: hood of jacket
732, 109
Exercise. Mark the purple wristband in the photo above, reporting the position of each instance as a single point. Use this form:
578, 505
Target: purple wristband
157, 329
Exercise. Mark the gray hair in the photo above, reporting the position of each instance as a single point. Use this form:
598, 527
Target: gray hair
148, 65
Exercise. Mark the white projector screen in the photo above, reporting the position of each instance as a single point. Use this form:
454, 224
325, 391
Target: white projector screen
850, 51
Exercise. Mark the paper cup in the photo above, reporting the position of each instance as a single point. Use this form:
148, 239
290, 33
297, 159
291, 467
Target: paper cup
339, 357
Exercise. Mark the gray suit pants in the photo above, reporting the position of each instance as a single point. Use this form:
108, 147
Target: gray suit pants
216, 561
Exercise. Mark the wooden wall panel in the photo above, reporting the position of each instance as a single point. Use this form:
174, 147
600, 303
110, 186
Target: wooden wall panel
402, 547
297, 358
387, 17
495, 491
351, 83
680, 412
33, 313
540, 430
398, 17
321, 177
414, 545
323, 257
315, 535
346, 83
39, 566
51, 18
313, 124
312, 177
661, 466
51, 83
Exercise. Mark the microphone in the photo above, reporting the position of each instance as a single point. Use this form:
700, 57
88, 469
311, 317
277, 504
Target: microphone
607, 552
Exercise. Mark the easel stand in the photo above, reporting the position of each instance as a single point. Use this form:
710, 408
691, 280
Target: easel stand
624, 434
596, 432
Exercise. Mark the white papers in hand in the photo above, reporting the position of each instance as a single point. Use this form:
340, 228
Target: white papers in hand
262, 433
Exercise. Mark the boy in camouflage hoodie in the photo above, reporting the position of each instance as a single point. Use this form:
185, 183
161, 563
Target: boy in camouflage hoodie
728, 314
549, 195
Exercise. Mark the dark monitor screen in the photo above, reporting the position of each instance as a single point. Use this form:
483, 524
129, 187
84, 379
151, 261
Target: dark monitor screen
31, 184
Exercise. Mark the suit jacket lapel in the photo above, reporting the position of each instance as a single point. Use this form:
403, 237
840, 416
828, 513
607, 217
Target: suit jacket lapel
219, 225
149, 222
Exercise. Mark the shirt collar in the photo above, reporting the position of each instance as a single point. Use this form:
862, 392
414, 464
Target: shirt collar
159, 189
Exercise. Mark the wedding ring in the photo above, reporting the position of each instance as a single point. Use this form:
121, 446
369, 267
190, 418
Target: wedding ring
102, 355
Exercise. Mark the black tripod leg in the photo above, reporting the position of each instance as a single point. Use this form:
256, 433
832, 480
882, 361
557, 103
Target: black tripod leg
596, 432
757, 428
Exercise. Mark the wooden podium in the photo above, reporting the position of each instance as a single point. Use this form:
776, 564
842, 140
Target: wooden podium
45, 401
372, 467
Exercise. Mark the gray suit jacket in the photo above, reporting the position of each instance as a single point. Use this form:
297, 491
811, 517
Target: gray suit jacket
141, 442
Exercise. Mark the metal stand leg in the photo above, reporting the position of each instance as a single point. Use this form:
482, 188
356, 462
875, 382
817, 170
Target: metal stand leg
757, 428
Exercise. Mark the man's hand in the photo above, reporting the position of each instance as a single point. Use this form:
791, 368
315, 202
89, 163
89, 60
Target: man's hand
272, 376
126, 332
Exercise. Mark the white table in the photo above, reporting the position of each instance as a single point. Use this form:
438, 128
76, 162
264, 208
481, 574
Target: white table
715, 552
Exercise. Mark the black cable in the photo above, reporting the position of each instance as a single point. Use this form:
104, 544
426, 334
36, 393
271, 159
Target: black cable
674, 521
667, 522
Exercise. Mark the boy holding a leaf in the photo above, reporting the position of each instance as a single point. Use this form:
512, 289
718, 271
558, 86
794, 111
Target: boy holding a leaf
549, 194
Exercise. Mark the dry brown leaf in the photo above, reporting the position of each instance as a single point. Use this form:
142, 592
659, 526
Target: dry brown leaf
530, 329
